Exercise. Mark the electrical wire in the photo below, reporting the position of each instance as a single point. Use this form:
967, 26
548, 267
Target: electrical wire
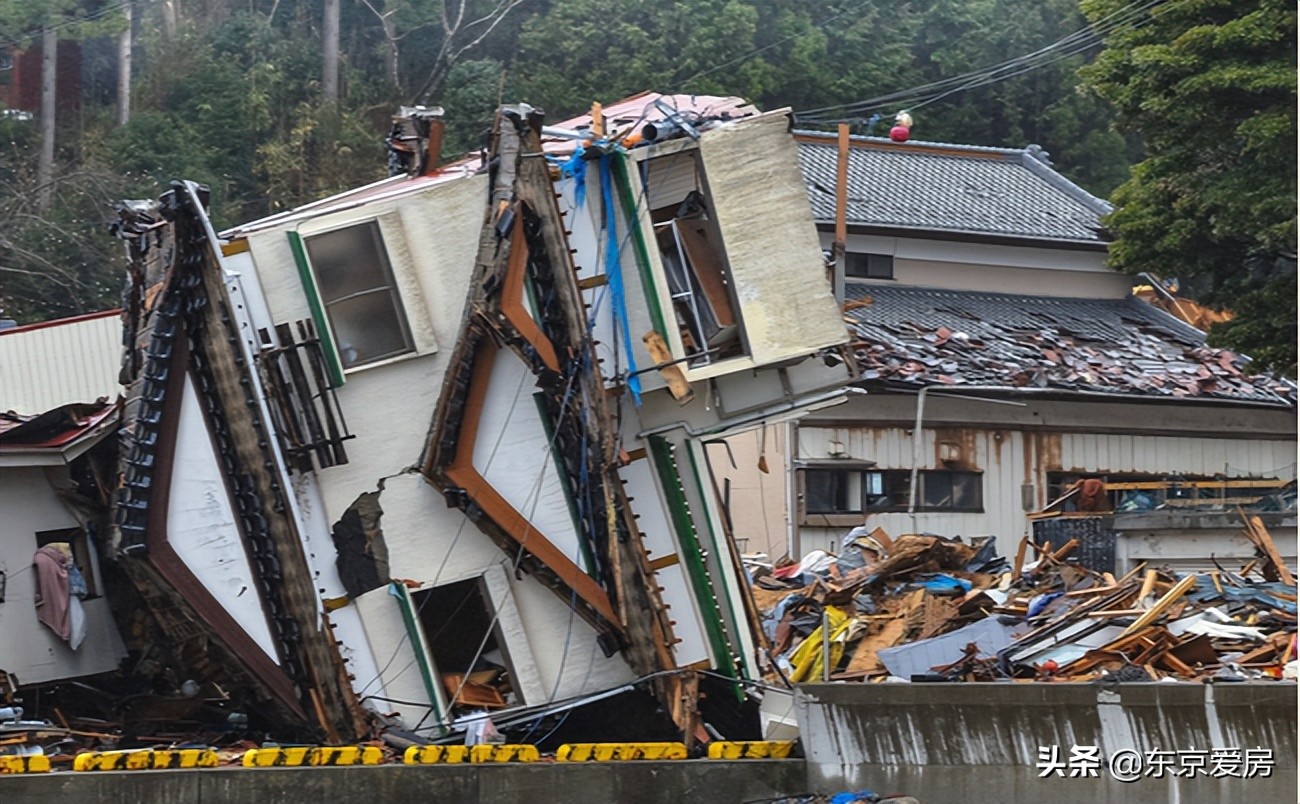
1129, 16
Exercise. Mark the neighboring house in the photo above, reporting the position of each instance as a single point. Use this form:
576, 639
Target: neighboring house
51, 375
461, 425
1001, 360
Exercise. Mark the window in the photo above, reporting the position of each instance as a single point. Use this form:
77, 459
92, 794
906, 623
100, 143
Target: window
694, 261
76, 540
855, 491
869, 266
832, 491
355, 282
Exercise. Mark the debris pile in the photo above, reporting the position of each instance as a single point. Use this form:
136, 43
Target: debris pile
927, 608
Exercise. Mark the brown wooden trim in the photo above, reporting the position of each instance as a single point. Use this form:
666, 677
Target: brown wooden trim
512, 305
234, 247
170, 565
464, 474
587, 283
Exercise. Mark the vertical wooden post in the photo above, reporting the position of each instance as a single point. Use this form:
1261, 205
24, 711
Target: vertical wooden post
841, 209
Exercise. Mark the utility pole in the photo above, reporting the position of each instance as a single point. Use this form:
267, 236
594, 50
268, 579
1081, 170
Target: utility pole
841, 210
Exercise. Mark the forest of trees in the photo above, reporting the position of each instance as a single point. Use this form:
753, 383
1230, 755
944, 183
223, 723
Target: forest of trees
276, 102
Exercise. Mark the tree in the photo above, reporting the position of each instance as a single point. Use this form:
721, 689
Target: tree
1210, 86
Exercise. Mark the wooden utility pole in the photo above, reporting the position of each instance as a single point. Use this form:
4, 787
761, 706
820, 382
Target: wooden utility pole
330, 53
124, 70
49, 85
841, 210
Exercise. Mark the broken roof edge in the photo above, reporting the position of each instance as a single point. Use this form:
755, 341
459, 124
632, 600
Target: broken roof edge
59, 322
1061, 394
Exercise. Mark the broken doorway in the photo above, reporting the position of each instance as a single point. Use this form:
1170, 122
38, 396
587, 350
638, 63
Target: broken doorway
460, 629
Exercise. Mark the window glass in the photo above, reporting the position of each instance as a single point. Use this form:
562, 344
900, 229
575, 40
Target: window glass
356, 285
832, 491
869, 266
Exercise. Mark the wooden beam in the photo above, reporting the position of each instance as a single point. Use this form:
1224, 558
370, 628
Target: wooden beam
1162, 604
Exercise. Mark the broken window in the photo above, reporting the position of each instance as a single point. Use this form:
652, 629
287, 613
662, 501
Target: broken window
853, 491
355, 280
1137, 491
869, 266
695, 264
460, 628
78, 544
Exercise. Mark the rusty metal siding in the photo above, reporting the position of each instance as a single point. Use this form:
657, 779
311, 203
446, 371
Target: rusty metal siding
1085, 452
47, 366
1009, 458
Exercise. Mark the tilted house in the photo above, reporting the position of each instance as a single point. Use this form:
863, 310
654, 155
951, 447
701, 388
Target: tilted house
453, 422
1001, 361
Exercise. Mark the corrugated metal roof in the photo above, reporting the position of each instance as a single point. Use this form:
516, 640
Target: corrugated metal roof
54, 363
925, 336
953, 188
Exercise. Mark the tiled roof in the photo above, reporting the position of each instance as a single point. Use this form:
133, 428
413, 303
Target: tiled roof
922, 336
964, 189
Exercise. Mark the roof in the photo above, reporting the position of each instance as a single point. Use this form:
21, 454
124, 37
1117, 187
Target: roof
53, 363
961, 189
55, 429
621, 117
922, 336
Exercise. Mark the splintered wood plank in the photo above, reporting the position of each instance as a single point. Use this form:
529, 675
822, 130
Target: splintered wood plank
1264, 540
1163, 603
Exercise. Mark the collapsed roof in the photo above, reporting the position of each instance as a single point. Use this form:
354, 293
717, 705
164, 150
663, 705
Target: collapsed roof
923, 336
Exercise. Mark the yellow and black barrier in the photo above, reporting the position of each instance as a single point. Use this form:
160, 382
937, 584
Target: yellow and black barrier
145, 759
610, 752
477, 754
314, 756
750, 749
32, 763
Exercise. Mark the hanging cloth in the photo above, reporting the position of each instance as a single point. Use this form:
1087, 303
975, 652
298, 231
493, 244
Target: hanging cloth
53, 593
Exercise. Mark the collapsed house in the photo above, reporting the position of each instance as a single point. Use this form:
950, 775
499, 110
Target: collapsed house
1002, 362
436, 445
55, 423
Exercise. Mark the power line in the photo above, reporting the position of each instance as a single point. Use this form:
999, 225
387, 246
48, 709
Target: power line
925, 94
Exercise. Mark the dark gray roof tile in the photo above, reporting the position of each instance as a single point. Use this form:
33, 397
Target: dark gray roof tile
954, 188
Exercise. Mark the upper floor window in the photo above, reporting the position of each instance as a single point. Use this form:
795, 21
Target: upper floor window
356, 286
869, 266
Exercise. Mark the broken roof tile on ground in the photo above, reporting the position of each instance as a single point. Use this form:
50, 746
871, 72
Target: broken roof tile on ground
926, 336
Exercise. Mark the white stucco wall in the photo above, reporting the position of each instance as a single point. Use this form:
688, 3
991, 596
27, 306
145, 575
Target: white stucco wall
28, 648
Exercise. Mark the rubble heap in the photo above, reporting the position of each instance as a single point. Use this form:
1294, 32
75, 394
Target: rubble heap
927, 608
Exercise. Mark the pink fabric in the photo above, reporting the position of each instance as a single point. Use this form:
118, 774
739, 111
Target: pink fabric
52, 594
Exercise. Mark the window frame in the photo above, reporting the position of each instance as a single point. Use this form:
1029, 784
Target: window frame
391, 287
893, 483
865, 260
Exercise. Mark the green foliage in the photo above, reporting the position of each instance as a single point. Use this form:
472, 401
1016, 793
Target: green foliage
1210, 86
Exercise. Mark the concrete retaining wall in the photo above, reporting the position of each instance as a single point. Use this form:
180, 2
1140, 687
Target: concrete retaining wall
596, 783
962, 743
